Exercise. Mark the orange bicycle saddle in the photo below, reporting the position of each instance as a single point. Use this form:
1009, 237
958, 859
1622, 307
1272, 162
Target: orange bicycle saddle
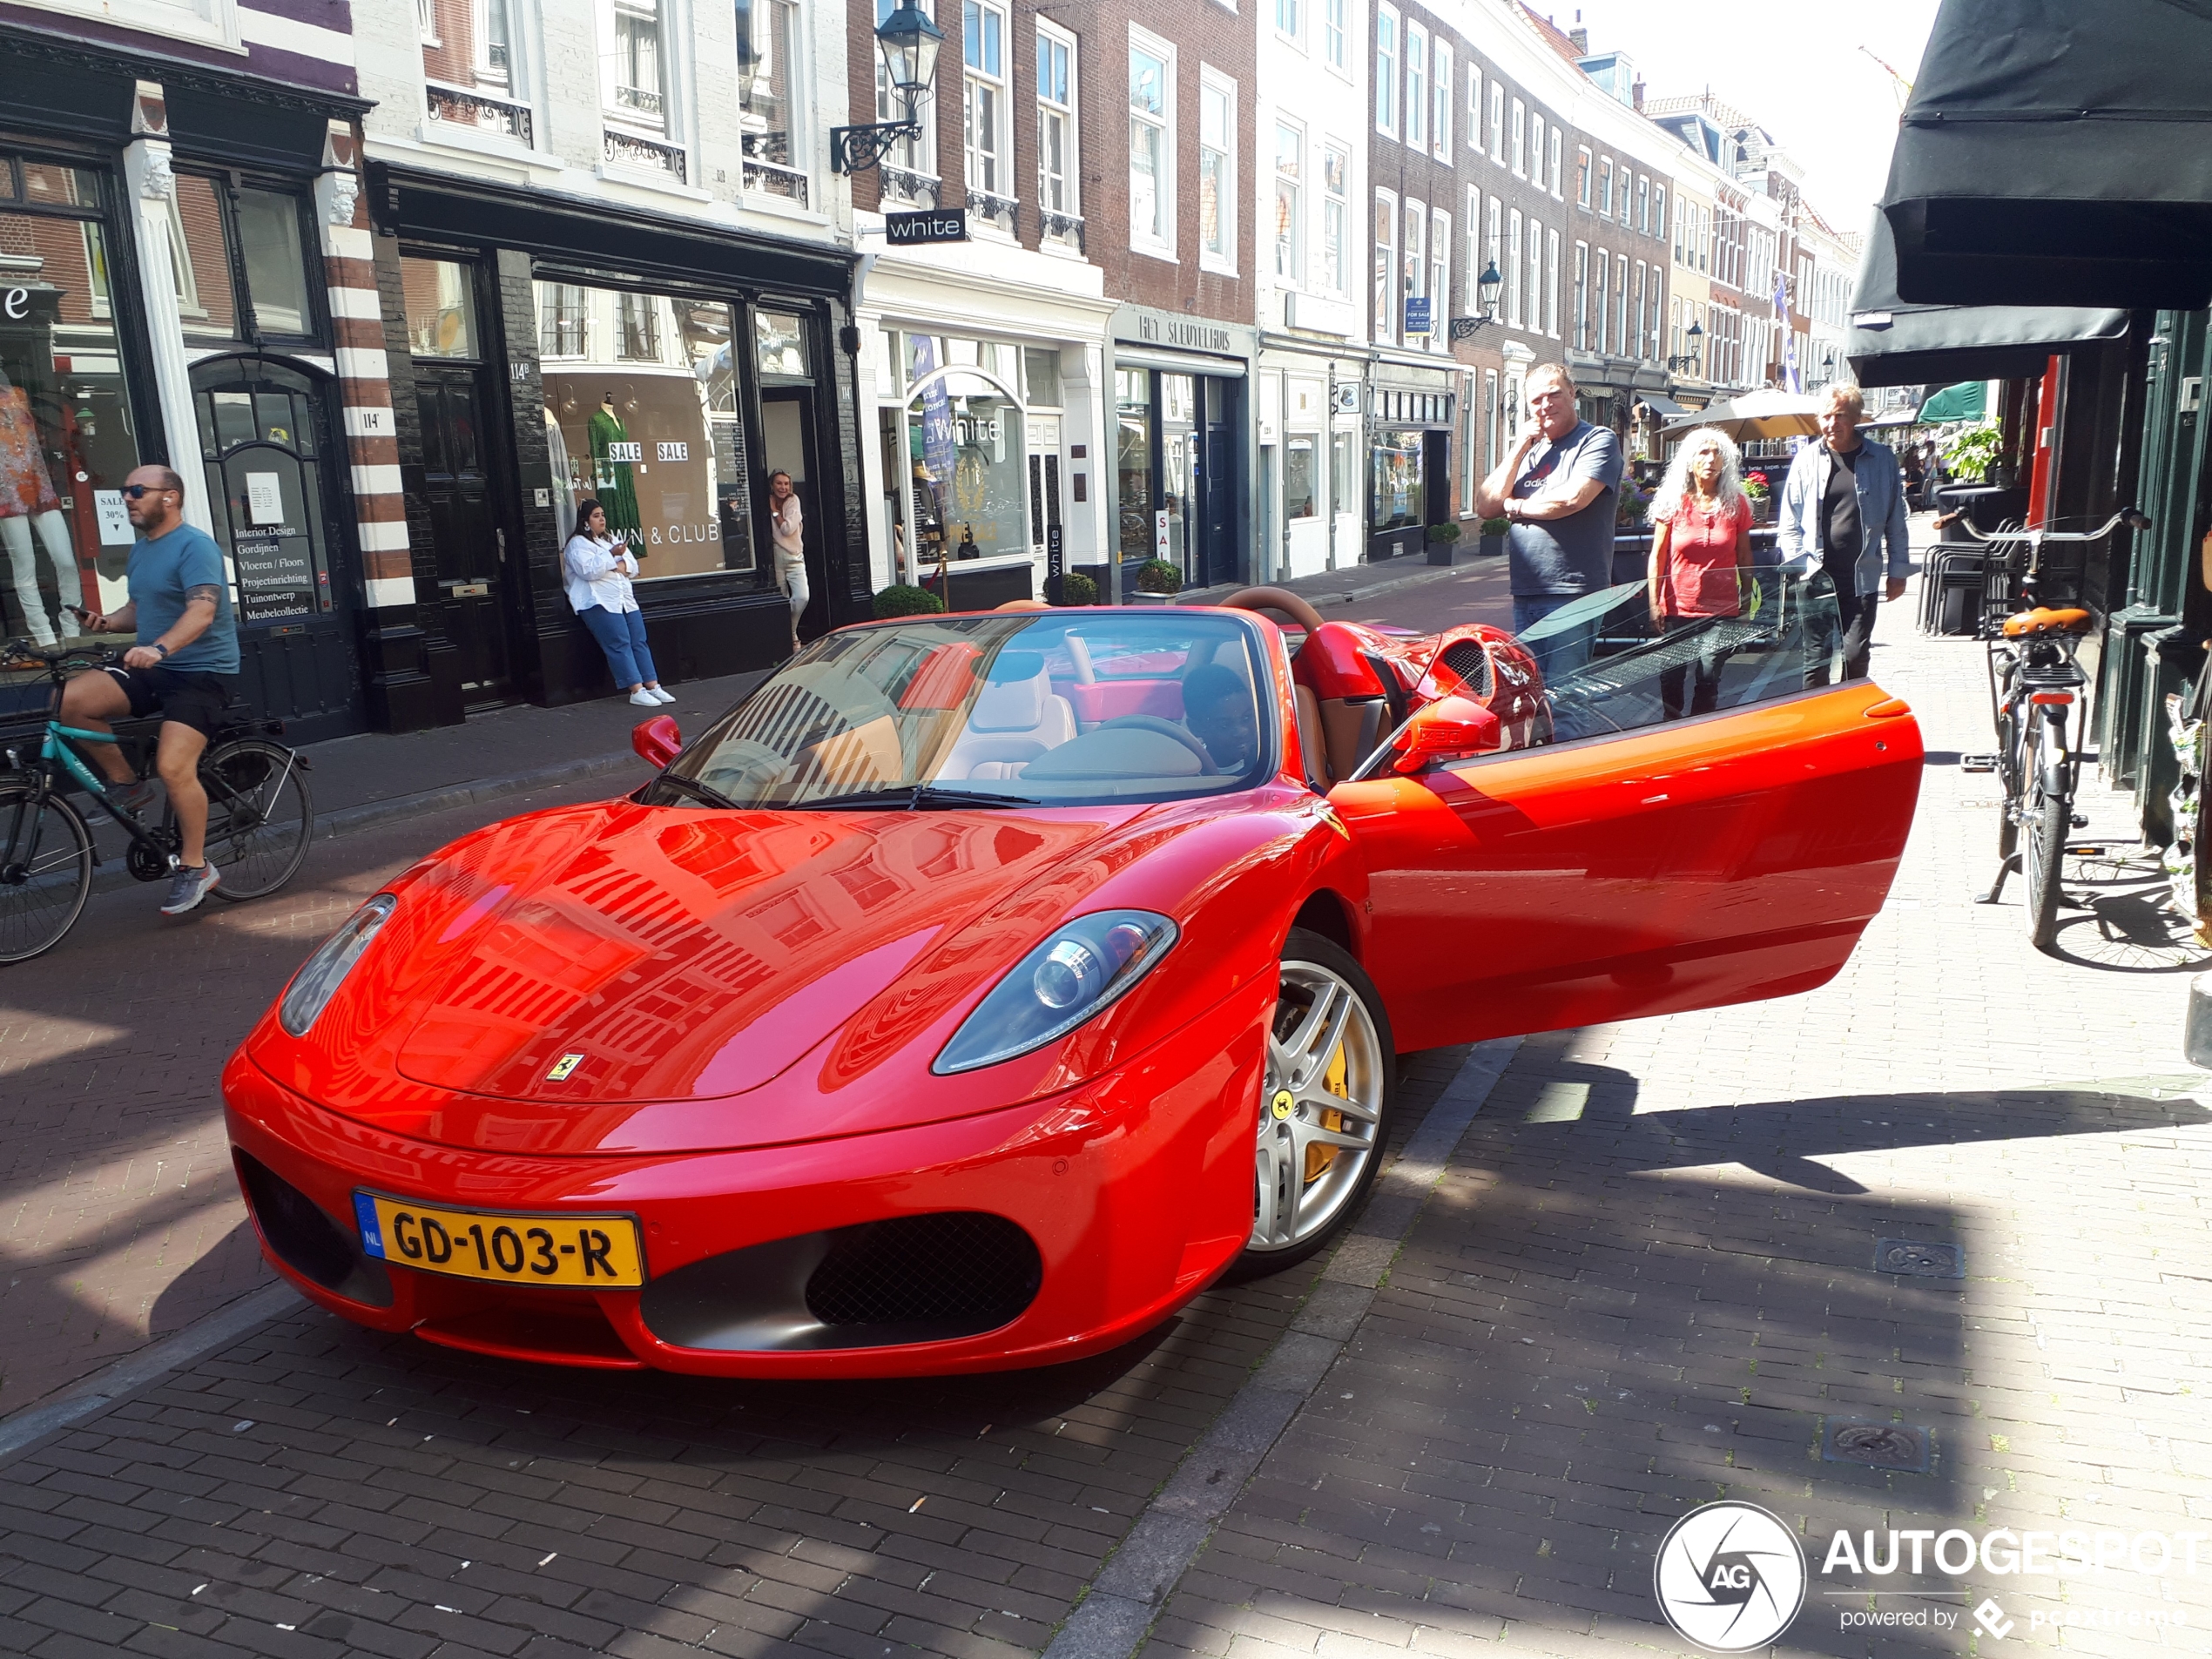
2044, 620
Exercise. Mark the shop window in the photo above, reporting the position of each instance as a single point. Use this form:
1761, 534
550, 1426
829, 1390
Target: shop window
1344, 471
1056, 168
1152, 115
1040, 372
240, 254
645, 417
560, 319
67, 439
983, 117
769, 55
266, 491
1217, 173
1401, 492
779, 345
1133, 459
964, 448
1301, 464
470, 70
440, 309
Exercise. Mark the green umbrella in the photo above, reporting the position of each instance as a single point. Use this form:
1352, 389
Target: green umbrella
1968, 401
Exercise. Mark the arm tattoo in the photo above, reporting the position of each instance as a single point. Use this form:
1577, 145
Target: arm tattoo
207, 590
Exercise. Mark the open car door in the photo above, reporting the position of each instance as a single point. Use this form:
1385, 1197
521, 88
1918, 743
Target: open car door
1652, 858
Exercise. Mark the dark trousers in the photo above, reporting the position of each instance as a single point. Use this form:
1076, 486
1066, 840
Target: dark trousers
1855, 623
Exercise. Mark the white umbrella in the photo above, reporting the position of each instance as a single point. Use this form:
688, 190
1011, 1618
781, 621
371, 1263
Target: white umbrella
1756, 415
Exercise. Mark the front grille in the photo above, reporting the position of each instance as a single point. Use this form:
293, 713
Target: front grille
1467, 658
306, 1240
962, 1269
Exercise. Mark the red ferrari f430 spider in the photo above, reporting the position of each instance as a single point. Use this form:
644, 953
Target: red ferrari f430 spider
981, 987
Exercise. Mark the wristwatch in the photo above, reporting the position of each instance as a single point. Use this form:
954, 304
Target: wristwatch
158, 646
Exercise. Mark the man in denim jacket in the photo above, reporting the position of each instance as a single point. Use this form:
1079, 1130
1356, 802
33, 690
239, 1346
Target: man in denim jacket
1844, 511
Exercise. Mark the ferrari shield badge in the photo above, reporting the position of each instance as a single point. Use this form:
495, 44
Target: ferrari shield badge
563, 1068
1283, 1104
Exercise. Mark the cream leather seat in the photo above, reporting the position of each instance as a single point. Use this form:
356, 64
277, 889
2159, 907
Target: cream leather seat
1014, 720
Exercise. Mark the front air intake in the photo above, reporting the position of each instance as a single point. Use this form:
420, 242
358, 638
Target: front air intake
306, 1239
960, 1268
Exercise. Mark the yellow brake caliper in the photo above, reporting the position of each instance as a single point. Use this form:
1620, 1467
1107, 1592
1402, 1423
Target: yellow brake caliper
1317, 1158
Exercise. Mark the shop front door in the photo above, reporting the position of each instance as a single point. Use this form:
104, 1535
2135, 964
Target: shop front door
468, 540
1218, 531
267, 446
787, 443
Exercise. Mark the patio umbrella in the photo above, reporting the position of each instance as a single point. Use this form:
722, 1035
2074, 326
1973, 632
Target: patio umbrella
2056, 152
1756, 415
1968, 401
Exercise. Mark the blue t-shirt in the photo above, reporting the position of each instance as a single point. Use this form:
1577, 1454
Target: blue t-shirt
161, 570
1558, 557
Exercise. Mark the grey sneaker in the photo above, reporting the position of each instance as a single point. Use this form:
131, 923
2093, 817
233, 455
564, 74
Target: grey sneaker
187, 886
134, 799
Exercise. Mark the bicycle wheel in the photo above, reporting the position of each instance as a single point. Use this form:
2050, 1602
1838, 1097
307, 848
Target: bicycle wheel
259, 815
2050, 817
45, 872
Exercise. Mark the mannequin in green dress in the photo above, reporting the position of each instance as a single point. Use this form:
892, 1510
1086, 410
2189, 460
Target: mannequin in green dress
611, 478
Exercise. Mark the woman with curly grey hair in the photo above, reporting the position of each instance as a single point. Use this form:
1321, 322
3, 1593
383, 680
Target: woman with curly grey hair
1701, 557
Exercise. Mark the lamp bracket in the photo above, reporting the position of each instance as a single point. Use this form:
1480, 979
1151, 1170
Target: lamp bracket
857, 148
1468, 328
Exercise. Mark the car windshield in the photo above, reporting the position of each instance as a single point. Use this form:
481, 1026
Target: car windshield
1002, 709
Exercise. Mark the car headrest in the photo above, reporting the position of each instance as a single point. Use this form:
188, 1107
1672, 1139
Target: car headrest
1016, 665
1011, 705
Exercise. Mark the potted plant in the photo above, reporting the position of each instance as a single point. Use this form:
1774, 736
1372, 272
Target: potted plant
1157, 582
1970, 455
901, 600
1494, 536
1443, 539
1076, 589
1760, 494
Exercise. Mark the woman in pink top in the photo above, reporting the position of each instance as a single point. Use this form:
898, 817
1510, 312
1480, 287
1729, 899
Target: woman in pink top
1701, 560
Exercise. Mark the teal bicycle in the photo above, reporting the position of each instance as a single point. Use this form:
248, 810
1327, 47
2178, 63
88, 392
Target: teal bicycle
260, 815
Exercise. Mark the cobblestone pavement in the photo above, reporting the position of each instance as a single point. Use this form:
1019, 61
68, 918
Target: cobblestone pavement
1649, 1279
119, 1217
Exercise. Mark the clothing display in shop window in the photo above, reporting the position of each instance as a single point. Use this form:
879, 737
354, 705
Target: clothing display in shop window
611, 479
563, 470
29, 508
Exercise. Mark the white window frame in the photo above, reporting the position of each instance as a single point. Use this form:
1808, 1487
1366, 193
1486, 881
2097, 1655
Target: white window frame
1585, 172
1517, 137
1534, 323
1511, 270
1497, 123
1495, 244
1412, 264
1605, 188
1212, 80
1296, 275
1536, 125
1290, 22
1475, 108
1336, 28
1387, 52
1551, 283
1159, 244
1644, 204
1659, 210
1581, 296
1336, 221
1443, 79
981, 83
1552, 160
1604, 284
1070, 117
1384, 283
1471, 281
1439, 279
1416, 117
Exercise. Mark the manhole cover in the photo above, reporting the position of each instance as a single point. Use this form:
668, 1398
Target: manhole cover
1878, 1445
1919, 1258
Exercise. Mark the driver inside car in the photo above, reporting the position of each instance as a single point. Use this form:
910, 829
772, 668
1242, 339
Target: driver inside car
1217, 710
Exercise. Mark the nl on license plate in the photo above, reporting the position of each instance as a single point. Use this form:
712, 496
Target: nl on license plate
595, 1252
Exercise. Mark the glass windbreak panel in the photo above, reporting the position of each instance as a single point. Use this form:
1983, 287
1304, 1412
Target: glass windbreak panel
1133, 459
1607, 666
1400, 496
967, 711
276, 262
201, 261
780, 344
1301, 471
641, 417
965, 445
440, 309
66, 441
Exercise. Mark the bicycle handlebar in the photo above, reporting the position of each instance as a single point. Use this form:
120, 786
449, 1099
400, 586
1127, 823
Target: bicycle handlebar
2131, 516
26, 653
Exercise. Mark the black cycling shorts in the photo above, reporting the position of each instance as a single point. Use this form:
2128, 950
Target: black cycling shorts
196, 700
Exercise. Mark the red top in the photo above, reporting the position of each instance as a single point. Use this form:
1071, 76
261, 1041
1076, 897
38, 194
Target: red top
1700, 577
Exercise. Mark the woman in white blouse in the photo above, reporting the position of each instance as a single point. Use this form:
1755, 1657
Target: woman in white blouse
598, 569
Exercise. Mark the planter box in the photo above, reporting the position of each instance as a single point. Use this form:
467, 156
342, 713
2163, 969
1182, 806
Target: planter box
1493, 545
1447, 552
1138, 596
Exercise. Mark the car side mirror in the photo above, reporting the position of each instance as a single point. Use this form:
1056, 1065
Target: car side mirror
657, 741
1451, 728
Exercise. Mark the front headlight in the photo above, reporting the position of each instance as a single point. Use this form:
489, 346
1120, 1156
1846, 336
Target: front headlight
1080, 970
313, 986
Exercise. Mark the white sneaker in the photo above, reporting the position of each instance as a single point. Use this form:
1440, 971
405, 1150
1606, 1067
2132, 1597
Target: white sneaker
660, 693
645, 699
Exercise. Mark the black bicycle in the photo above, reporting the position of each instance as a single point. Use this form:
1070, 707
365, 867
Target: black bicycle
260, 815
2035, 683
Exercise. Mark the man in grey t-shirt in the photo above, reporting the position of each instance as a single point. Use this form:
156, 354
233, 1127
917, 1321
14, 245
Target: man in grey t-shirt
1556, 490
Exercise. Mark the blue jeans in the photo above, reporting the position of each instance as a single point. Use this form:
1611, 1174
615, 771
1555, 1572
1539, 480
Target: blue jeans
1555, 659
621, 634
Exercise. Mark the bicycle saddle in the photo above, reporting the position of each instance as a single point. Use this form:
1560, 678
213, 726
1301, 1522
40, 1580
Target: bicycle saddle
2044, 620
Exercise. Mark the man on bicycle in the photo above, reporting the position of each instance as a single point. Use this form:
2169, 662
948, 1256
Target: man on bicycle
185, 663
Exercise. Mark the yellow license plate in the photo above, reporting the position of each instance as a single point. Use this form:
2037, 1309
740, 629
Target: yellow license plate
598, 1253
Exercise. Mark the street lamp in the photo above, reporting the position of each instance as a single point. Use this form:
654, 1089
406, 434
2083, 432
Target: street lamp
908, 41
1686, 363
1487, 287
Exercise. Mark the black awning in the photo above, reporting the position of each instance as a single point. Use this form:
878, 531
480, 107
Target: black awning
2058, 153
1894, 343
1665, 407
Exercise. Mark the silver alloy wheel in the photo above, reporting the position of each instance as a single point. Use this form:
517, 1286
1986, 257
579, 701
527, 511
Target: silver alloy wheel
1319, 1122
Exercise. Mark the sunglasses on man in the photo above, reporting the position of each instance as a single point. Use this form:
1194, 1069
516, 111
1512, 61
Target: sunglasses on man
138, 491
